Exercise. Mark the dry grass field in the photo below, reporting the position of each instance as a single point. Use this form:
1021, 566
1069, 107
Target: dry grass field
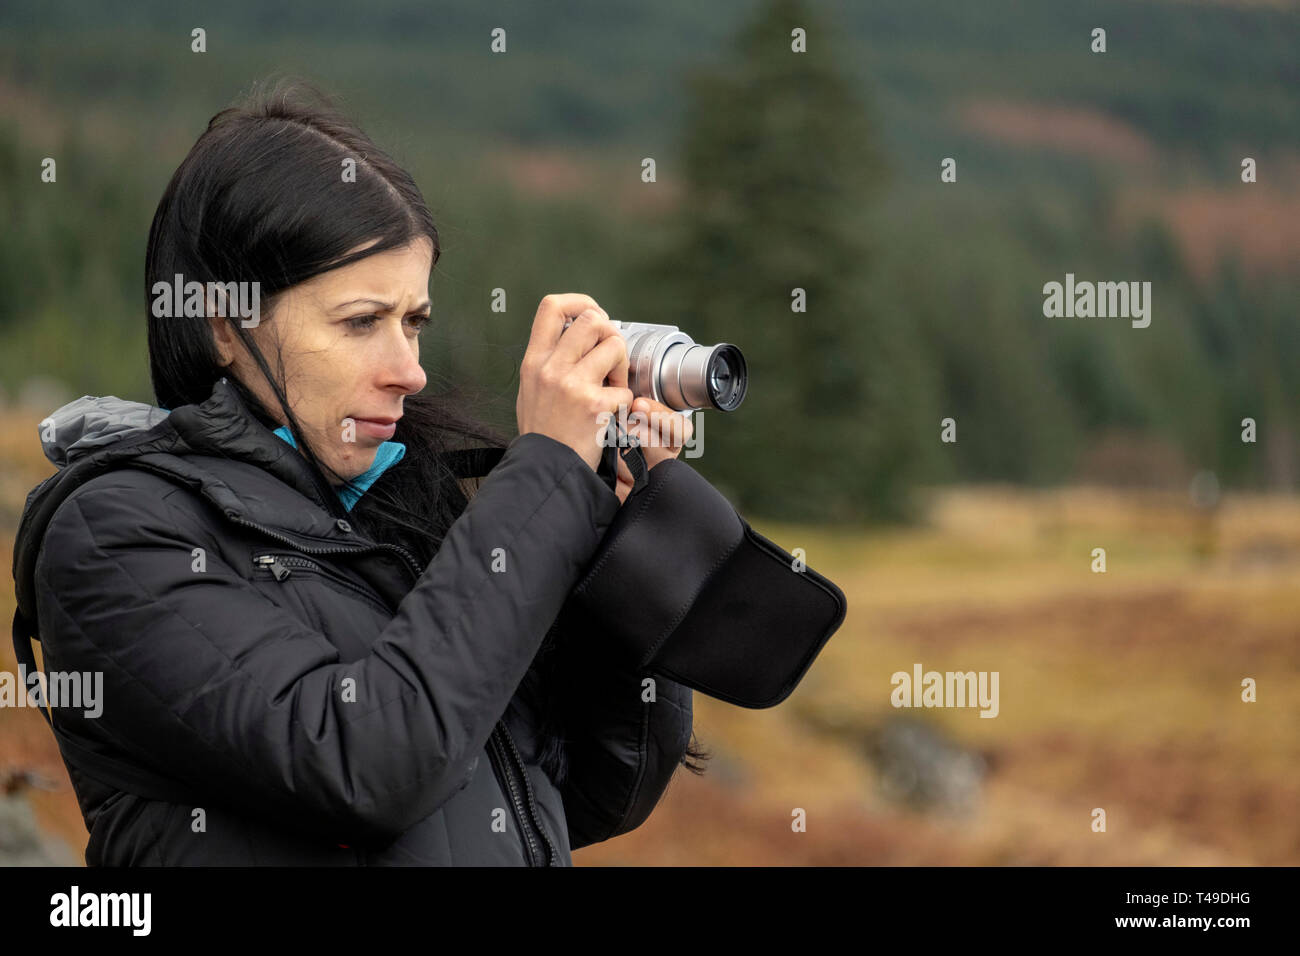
1119, 690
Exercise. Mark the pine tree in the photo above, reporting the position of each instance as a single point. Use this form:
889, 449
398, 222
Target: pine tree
780, 164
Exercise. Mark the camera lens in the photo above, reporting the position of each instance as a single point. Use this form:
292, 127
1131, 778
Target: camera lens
664, 363
727, 378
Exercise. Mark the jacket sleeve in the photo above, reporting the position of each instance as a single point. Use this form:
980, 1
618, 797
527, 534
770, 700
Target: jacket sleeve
622, 748
209, 682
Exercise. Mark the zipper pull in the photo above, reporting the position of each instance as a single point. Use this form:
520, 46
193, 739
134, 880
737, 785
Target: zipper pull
272, 563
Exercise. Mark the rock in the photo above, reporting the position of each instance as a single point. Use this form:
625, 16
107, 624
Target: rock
919, 768
21, 841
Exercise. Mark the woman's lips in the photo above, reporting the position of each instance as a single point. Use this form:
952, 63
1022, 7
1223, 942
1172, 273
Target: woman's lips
376, 429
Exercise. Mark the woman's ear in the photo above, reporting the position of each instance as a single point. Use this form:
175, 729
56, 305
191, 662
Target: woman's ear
223, 337
220, 317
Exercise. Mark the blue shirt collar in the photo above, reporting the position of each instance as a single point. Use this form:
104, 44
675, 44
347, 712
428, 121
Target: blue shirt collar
388, 454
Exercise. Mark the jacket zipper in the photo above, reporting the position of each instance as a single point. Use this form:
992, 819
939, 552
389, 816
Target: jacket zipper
409, 559
551, 855
496, 751
502, 751
282, 565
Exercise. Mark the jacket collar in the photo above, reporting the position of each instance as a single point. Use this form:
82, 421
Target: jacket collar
217, 448
224, 427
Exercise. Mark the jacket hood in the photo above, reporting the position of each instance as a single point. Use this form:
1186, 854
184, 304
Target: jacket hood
92, 422
208, 447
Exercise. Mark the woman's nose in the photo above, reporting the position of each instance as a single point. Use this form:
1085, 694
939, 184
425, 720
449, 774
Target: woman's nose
401, 364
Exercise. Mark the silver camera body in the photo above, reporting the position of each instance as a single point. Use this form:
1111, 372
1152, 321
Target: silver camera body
667, 365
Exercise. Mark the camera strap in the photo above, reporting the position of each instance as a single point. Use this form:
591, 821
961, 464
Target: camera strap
619, 444
477, 462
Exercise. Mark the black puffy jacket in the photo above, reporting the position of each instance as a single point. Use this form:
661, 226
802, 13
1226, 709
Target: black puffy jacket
315, 697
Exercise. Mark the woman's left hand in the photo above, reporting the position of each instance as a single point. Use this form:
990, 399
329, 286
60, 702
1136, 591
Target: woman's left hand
662, 433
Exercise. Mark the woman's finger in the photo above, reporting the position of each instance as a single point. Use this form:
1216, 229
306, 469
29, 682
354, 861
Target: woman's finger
659, 425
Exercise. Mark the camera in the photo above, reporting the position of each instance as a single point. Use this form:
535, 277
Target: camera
667, 365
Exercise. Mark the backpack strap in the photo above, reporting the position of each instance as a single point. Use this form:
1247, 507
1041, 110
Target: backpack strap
112, 773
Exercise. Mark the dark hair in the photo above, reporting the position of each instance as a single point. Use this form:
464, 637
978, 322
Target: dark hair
258, 199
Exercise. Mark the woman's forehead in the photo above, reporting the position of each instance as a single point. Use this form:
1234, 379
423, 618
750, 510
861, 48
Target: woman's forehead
385, 279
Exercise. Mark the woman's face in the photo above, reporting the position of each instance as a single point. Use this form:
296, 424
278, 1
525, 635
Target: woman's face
351, 351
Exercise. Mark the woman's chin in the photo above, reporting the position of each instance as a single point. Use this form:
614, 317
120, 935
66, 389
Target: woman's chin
357, 463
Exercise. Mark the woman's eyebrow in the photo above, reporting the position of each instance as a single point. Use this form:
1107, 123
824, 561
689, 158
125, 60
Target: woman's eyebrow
385, 306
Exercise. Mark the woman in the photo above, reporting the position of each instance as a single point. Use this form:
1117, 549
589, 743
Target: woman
315, 649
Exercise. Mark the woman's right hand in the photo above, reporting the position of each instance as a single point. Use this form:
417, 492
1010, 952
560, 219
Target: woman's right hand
569, 377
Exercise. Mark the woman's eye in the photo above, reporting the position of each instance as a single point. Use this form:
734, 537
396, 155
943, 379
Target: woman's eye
365, 322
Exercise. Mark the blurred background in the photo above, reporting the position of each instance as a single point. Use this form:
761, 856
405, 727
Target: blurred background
821, 171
